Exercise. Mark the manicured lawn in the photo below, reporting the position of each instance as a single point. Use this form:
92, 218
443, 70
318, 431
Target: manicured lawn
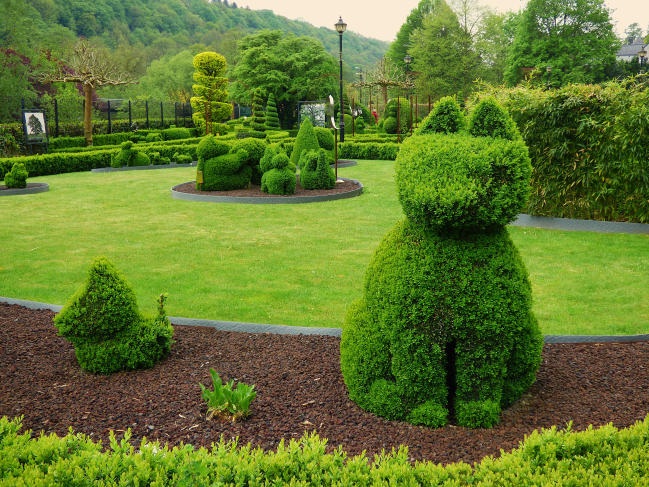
280, 264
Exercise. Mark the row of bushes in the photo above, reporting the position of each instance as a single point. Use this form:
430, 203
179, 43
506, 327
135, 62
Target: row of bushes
603, 456
142, 145
587, 148
368, 151
117, 138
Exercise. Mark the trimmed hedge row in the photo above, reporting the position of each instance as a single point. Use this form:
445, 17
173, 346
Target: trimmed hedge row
370, 151
109, 139
604, 456
142, 145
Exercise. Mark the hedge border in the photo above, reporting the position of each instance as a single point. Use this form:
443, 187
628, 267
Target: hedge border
268, 200
141, 168
32, 188
337, 332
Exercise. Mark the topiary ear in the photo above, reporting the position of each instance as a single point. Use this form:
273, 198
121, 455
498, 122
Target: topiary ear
490, 119
446, 117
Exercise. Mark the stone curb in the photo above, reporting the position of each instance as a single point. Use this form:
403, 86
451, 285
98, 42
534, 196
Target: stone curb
270, 200
337, 332
31, 188
575, 225
140, 168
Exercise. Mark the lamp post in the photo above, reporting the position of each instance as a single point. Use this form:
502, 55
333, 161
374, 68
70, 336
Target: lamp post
641, 54
549, 70
341, 27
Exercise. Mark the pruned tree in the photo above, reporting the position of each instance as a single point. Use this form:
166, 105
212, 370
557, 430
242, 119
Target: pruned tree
86, 65
211, 104
386, 74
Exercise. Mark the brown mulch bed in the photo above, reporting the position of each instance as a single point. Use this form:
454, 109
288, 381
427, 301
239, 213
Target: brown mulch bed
300, 387
29, 185
255, 190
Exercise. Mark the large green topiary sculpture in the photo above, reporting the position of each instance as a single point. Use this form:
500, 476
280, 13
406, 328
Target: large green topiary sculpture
325, 138
211, 103
445, 327
278, 177
255, 149
258, 123
446, 117
306, 140
223, 170
272, 118
128, 156
315, 171
103, 323
17, 177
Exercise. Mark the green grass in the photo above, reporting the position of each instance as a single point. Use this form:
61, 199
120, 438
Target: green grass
280, 264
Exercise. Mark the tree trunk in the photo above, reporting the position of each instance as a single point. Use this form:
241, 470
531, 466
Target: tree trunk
87, 115
384, 91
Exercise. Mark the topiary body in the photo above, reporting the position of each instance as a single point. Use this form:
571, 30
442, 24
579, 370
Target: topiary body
272, 118
325, 138
17, 177
103, 323
306, 140
255, 149
277, 177
315, 171
445, 327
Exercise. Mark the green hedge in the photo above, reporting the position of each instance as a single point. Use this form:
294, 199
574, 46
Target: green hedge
369, 151
604, 456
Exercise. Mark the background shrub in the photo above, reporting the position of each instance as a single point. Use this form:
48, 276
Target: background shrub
175, 134
390, 125
315, 171
446, 117
325, 138
369, 151
17, 177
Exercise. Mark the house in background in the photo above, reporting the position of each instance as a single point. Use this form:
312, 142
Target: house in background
629, 51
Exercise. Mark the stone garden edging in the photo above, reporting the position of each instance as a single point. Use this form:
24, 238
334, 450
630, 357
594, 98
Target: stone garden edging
31, 188
575, 225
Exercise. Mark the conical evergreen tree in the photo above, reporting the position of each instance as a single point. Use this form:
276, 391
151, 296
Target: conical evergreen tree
272, 119
258, 124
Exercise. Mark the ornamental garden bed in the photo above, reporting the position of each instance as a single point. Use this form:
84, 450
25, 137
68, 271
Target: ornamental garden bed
300, 388
30, 189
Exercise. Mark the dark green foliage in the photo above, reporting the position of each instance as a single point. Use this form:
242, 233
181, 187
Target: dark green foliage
390, 125
272, 119
404, 114
210, 147
359, 126
258, 123
227, 172
446, 117
277, 177
17, 177
140, 159
445, 324
128, 156
103, 323
490, 119
461, 183
174, 134
325, 138
255, 149
306, 140
156, 137
157, 159
371, 151
315, 171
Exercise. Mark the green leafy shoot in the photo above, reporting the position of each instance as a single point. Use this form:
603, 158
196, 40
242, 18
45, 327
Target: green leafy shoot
226, 403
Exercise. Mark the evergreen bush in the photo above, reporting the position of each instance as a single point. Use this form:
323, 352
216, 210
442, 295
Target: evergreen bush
17, 177
278, 178
255, 149
445, 326
153, 137
103, 323
446, 117
325, 138
315, 171
222, 171
389, 125
490, 119
129, 156
272, 118
404, 114
174, 134
306, 140
258, 123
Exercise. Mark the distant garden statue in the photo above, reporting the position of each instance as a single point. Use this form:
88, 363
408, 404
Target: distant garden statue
211, 105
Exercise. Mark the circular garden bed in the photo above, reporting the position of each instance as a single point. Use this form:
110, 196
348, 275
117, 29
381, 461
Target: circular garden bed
30, 189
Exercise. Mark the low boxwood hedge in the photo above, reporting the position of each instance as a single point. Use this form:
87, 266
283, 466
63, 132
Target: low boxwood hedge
603, 456
372, 151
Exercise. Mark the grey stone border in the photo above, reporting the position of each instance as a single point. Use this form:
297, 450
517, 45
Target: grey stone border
269, 200
31, 188
344, 163
575, 225
337, 332
140, 168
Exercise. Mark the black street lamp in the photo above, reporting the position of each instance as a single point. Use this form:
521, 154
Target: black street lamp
341, 27
549, 70
641, 54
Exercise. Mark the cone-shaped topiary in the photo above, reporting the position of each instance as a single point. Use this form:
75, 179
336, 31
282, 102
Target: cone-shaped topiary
103, 323
306, 140
490, 119
128, 156
258, 123
272, 119
445, 327
315, 171
446, 117
277, 178
17, 177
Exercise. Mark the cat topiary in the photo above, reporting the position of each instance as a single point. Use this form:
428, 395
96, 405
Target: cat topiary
445, 327
128, 156
17, 177
315, 171
103, 323
278, 178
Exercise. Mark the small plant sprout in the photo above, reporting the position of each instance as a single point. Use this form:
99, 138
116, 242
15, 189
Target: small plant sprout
226, 403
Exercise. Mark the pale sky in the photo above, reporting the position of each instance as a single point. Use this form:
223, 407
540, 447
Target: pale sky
382, 19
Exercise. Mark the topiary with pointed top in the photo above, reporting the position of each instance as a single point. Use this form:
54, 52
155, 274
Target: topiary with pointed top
306, 140
103, 323
315, 171
490, 119
445, 118
272, 119
258, 123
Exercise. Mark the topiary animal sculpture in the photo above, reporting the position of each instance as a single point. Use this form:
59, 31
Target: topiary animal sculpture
222, 170
128, 156
278, 178
17, 177
103, 323
315, 171
255, 149
445, 327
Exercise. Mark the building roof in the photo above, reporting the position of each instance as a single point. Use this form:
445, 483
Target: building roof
631, 50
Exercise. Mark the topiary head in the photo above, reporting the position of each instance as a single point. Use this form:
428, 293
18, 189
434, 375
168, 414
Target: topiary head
280, 161
490, 119
211, 147
254, 147
210, 64
446, 118
460, 183
126, 145
325, 138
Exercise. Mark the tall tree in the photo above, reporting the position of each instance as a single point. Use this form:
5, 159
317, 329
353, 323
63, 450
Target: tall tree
492, 42
293, 68
575, 37
86, 66
633, 31
399, 47
211, 103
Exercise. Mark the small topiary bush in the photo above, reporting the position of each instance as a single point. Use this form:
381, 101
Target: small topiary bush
315, 171
182, 158
445, 326
490, 119
446, 117
390, 125
103, 323
278, 178
325, 138
128, 156
306, 140
175, 134
17, 177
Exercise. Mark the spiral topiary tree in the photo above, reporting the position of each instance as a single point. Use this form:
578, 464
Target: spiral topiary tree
445, 328
211, 105
258, 123
272, 118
